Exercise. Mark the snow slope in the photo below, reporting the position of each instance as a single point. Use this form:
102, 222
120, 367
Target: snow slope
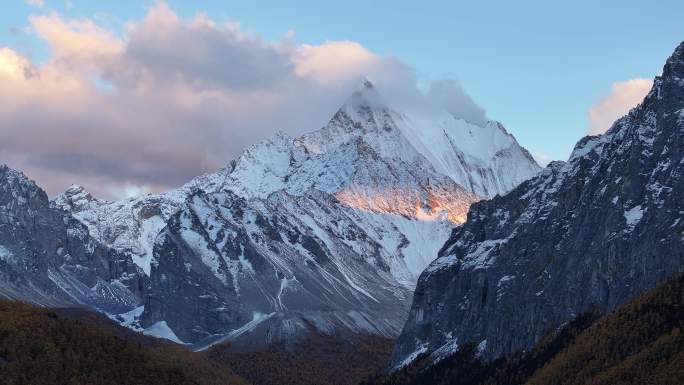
328, 231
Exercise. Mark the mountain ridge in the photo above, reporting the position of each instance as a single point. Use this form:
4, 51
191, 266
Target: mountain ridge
326, 232
594, 231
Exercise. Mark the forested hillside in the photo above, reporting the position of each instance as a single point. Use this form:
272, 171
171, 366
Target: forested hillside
41, 346
639, 343
75, 346
319, 360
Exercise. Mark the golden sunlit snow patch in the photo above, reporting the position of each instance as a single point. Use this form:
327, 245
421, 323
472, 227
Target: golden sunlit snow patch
437, 203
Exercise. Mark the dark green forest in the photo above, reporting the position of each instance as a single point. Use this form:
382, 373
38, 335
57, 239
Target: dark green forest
40, 346
74, 346
319, 360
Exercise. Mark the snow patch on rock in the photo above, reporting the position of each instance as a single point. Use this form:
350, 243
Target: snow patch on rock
162, 330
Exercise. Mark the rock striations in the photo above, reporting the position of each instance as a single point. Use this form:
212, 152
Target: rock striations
325, 232
594, 231
49, 258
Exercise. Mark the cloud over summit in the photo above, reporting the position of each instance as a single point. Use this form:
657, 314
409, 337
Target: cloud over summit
172, 98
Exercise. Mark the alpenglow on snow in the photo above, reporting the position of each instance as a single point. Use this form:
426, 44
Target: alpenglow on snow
594, 231
327, 231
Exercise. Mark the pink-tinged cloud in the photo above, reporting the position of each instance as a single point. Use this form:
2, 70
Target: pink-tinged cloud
170, 99
623, 97
334, 62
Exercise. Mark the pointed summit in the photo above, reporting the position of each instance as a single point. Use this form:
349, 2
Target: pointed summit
674, 67
75, 199
366, 83
365, 97
665, 100
627, 182
76, 189
667, 88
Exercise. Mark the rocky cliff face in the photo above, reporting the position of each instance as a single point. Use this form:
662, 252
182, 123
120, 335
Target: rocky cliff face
325, 232
270, 270
48, 257
593, 231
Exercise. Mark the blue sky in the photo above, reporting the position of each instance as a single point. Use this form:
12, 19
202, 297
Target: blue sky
537, 66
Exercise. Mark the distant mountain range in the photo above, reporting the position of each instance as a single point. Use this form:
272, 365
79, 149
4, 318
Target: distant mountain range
327, 232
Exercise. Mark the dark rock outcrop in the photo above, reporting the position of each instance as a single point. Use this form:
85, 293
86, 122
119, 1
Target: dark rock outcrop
48, 257
594, 231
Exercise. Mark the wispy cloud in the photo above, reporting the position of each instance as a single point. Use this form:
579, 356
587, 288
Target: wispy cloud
623, 97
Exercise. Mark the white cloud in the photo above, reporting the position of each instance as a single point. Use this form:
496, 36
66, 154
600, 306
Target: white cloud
334, 62
78, 39
449, 94
171, 98
623, 97
128, 191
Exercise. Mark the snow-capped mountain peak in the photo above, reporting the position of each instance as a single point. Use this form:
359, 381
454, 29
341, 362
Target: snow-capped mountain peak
365, 96
76, 199
471, 155
329, 229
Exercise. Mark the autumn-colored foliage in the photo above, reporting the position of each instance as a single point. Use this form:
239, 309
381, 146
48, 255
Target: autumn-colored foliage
74, 346
639, 343
318, 360
41, 346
